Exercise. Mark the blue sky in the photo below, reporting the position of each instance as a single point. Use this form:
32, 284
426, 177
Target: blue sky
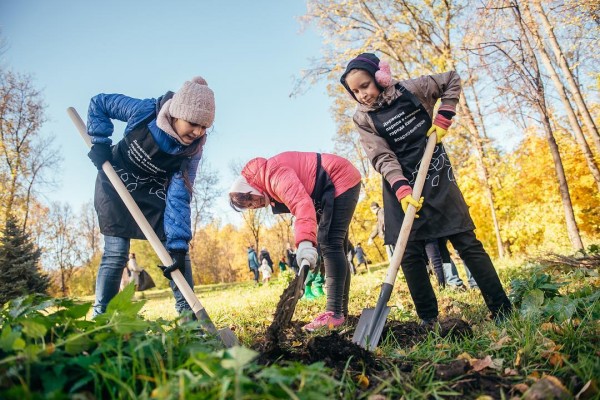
248, 51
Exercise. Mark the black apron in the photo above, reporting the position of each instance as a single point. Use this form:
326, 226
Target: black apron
404, 125
145, 170
323, 196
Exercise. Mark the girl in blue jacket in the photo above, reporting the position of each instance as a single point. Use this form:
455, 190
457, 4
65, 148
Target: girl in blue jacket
157, 160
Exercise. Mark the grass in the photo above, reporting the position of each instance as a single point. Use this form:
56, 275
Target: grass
155, 358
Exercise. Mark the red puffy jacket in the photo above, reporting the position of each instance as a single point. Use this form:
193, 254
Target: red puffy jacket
289, 178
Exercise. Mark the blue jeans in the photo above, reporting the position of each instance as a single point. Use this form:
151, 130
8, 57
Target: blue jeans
114, 259
452, 278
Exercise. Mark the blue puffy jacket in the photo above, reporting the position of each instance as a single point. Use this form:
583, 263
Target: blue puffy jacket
105, 107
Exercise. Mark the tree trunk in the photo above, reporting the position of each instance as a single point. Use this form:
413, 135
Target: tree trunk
63, 286
577, 132
539, 103
480, 154
572, 229
564, 66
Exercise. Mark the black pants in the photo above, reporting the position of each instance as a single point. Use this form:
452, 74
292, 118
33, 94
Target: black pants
334, 254
434, 253
474, 256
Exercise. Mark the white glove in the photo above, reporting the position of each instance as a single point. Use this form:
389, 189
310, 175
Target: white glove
370, 241
307, 252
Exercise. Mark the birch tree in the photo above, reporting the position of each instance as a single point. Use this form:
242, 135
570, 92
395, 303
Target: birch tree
531, 28
511, 56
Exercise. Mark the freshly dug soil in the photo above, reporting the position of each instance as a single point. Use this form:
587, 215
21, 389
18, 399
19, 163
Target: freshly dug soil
407, 334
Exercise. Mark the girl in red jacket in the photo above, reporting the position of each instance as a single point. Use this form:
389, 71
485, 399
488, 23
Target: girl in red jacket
321, 191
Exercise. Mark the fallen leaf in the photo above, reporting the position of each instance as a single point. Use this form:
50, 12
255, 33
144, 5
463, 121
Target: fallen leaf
484, 397
465, 356
500, 343
535, 375
400, 352
497, 363
551, 327
549, 344
556, 360
548, 387
296, 343
510, 372
589, 390
377, 397
518, 358
362, 381
521, 387
479, 365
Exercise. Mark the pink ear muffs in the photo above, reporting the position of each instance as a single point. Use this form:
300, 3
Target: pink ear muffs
383, 76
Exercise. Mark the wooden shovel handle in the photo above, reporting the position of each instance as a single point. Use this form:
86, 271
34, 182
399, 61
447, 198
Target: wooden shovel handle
409, 216
141, 220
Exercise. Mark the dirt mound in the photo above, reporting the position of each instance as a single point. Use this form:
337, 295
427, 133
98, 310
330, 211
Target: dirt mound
407, 334
339, 353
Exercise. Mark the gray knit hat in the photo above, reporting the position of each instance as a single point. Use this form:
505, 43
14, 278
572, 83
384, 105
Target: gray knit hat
194, 102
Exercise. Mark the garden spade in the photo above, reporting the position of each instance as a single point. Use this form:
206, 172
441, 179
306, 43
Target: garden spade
225, 335
371, 322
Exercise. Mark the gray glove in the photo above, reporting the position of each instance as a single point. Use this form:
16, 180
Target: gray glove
307, 252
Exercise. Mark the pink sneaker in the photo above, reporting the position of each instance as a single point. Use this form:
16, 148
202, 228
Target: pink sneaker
324, 320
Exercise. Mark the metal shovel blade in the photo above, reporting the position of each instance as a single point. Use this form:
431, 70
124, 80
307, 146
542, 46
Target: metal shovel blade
366, 335
372, 320
228, 337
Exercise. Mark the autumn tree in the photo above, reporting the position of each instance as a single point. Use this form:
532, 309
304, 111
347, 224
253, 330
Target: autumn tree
531, 28
417, 38
19, 263
62, 244
206, 191
510, 54
25, 155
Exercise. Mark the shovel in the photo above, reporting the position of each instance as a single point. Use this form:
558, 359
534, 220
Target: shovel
226, 336
371, 322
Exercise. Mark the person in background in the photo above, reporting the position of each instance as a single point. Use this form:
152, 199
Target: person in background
321, 191
432, 249
125, 279
453, 281
313, 287
379, 229
265, 270
264, 255
350, 253
253, 263
394, 119
282, 265
291, 258
157, 160
361, 257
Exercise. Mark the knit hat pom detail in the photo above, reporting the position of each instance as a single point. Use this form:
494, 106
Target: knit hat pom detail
384, 75
199, 80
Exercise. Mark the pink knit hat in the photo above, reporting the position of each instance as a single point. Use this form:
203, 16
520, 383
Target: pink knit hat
194, 102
